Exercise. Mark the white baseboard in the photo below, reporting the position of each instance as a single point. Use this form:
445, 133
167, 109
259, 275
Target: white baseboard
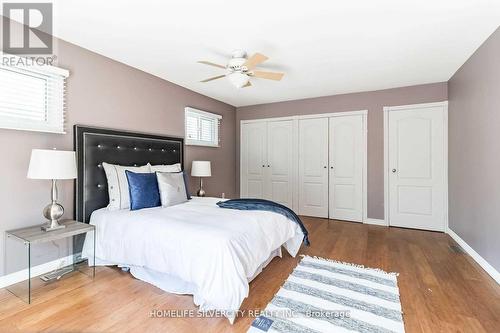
477, 258
375, 222
22, 275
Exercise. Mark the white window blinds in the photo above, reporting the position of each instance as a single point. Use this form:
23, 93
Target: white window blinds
202, 128
32, 98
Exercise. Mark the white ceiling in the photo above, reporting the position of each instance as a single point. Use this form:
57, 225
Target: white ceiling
325, 47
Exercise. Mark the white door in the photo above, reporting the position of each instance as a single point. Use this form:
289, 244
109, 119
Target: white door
253, 159
313, 170
416, 159
280, 145
346, 168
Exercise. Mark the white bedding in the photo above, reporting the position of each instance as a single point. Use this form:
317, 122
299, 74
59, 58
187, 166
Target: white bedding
197, 247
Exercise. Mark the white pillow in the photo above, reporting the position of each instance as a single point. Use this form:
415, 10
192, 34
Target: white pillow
119, 197
165, 167
172, 188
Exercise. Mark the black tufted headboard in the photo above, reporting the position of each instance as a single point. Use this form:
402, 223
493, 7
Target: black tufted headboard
96, 145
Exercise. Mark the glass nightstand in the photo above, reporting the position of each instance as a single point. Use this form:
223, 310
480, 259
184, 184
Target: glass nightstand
23, 244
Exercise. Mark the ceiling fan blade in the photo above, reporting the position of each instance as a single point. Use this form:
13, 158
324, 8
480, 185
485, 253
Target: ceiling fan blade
268, 75
214, 78
254, 60
211, 64
247, 85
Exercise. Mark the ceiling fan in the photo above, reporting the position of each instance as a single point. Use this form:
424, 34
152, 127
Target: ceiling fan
240, 69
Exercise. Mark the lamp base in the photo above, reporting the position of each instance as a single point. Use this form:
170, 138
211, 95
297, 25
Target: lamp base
53, 225
53, 212
201, 191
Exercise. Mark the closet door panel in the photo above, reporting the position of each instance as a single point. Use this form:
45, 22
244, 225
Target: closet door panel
279, 183
313, 172
346, 168
253, 159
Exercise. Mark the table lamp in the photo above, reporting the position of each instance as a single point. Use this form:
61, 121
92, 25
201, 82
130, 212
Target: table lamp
53, 165
201, 169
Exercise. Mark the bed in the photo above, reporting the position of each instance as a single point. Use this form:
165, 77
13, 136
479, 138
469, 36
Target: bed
192, 248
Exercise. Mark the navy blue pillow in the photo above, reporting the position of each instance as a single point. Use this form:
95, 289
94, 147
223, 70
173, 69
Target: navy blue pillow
186, 184
143, 190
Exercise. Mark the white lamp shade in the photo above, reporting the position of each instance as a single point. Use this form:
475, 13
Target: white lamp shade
201, 169
52, 164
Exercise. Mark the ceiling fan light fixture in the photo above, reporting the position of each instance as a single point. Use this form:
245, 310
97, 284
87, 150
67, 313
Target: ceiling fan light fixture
238, 79
240, 68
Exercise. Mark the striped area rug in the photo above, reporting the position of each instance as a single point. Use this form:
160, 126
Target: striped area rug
328, 296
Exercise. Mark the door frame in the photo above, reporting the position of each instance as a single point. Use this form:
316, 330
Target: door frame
296, 119
388, 109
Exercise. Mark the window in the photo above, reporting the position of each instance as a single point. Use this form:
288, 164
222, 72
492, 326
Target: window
32, 98
202, 128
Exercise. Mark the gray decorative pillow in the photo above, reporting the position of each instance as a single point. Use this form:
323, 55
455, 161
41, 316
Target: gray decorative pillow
172, 188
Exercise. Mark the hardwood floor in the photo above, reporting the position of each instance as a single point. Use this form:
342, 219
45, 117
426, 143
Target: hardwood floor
442, 290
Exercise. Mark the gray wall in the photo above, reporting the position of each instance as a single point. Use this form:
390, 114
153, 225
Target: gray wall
474, 147
106, 93
373, 101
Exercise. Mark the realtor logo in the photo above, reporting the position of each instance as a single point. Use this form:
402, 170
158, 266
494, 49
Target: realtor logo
33, 35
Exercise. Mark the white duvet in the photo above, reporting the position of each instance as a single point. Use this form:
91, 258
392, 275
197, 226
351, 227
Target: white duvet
212, 252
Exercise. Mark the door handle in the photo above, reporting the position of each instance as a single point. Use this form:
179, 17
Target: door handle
263, 166
268, 165
324, 167
393, 170
331, 167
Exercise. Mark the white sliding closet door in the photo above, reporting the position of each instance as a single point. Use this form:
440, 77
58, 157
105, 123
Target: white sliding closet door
253, 159
346, 168
280, 165
313, 167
